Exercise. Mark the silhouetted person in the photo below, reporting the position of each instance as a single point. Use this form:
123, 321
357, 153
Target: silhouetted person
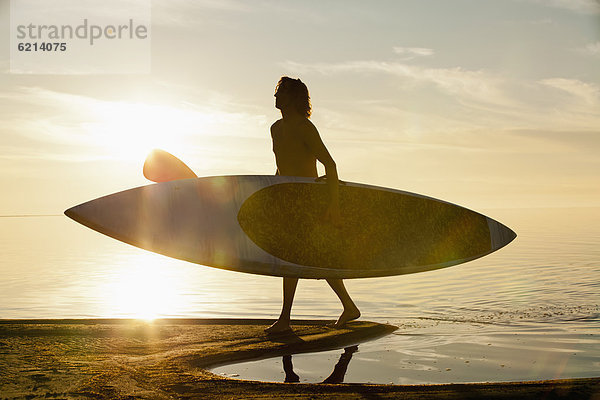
297, 147
336, 376
339, 371
288, 368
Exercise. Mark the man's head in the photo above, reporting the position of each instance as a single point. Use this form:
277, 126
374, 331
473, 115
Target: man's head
293, 93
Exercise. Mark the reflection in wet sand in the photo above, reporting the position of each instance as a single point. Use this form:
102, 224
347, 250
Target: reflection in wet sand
339, 371
336, 376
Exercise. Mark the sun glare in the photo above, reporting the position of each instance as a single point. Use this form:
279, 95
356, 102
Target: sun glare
143, 288
130, 130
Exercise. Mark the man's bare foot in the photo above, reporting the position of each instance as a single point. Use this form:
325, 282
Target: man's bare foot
347, 316
279, 327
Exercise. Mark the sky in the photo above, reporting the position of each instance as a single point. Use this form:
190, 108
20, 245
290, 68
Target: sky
487, 104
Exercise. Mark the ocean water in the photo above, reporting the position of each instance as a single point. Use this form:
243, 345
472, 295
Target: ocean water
529, 311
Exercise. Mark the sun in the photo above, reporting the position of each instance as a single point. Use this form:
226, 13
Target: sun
129, 131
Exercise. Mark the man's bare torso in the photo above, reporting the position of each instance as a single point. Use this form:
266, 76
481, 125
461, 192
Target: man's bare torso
294, 148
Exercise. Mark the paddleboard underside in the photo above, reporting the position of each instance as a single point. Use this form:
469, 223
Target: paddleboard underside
273, 225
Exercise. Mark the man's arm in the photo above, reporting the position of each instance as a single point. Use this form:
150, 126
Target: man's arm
273, 128
316, 145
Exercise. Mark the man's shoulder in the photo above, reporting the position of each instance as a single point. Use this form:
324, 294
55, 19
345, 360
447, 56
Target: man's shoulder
276, 127
302, 126
307, 127
307, 123
277, 123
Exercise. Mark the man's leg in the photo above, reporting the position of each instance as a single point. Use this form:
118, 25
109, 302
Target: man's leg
350, 312
283, 323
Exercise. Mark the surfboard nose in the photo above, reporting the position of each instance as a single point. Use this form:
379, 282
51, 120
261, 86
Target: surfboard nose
75, 213
71, 213
500, 234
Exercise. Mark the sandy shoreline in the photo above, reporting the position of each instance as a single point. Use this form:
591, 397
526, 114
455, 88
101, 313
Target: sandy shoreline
115, 358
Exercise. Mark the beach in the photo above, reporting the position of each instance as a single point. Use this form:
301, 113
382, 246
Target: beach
170, 358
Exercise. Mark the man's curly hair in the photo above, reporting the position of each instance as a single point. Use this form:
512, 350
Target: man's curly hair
298, 92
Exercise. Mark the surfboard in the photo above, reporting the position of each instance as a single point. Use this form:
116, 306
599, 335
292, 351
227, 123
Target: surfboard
162, 166
272, 225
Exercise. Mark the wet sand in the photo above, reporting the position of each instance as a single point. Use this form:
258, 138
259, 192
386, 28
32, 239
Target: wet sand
166, 359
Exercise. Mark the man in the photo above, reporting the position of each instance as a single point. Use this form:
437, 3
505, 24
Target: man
297, 147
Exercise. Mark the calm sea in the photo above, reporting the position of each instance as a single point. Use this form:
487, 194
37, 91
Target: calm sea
528, 311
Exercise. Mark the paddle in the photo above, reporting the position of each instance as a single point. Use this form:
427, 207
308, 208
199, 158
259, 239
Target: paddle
161, 166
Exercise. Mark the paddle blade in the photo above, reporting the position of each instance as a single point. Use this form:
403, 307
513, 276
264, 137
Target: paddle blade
161, 166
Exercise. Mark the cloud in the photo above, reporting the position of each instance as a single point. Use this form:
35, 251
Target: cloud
410, 53
34, 118
461, 99
591, 49
477, 84
579, 6
186, 14
585, 92
20, 153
